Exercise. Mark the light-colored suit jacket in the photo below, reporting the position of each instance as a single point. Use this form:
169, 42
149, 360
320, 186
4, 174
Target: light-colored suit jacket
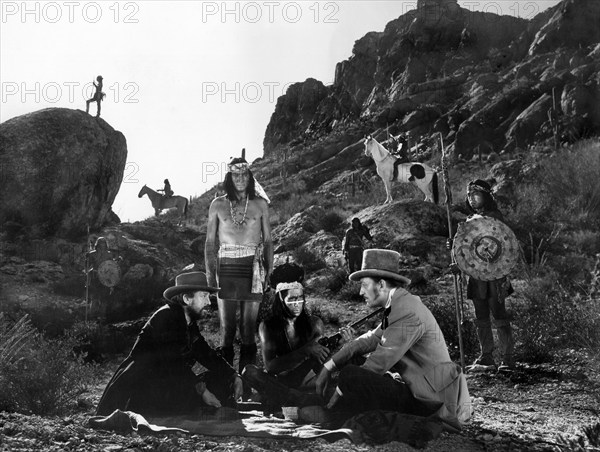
414, 346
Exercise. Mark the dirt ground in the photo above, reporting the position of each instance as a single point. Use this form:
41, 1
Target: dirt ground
524, 410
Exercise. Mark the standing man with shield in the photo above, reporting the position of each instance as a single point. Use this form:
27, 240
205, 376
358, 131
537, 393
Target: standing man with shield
239, 257
486, 249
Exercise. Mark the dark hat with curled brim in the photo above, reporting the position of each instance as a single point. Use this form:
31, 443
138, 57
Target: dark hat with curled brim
379, 263
189, 282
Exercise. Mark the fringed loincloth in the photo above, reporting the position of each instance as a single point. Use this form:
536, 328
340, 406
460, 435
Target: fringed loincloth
240, 272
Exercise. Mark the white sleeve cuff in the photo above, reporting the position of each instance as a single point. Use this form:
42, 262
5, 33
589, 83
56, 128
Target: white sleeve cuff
330, 365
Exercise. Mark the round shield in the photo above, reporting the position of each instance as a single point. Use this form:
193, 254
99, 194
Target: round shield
485, 248
109, 273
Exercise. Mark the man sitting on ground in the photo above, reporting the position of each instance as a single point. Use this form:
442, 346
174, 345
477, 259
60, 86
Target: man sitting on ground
291, 353
157, 377
408, 341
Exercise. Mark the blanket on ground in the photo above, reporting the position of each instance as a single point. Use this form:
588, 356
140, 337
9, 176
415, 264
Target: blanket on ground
374, 427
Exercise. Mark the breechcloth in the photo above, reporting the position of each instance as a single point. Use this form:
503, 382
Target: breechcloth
240, 272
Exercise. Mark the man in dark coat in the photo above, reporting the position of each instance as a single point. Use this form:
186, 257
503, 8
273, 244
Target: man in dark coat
157, 377
353, 246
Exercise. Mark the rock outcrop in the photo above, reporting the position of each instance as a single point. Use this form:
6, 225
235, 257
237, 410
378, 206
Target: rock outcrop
293, 113
61, 170
497, 70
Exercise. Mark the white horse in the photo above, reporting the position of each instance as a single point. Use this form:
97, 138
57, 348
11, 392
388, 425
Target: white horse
159, 202
419, 174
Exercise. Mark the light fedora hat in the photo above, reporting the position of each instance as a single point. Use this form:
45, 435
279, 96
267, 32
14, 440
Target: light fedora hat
378, 263
189, 282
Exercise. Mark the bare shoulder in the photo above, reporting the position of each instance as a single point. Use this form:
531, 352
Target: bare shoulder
218, 202
316, 323
260, 202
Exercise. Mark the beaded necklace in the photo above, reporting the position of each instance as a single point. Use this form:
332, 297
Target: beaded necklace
234, 214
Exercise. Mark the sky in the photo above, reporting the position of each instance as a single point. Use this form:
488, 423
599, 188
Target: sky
189, 83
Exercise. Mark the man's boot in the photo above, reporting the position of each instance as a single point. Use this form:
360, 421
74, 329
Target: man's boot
247, 356
507, 346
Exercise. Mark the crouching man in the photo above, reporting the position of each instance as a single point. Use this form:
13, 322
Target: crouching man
408, 342
157, 377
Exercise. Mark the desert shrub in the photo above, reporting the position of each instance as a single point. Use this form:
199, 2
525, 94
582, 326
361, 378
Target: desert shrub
350, 291
39, 375
566, 193
337, 279
583, 241
91, 340
443, 309
589, 440
570, 179
325, 311
309, 259
331, 222
549, 317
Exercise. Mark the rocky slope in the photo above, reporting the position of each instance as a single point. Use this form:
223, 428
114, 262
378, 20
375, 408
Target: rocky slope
481, 79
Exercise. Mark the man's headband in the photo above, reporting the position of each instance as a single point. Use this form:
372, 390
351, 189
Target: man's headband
481, 188
289, 286
241, 167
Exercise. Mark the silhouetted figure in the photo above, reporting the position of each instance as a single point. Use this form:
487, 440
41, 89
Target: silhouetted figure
97, 97
168, 192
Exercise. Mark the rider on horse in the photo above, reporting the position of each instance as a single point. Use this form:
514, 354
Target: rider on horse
398, 148
167, 190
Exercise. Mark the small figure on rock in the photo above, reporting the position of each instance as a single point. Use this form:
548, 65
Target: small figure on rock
97, 97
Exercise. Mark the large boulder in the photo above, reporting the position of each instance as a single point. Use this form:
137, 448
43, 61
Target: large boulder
61, 170
293, 113
414, 228
298, 229
356, 75
526, 126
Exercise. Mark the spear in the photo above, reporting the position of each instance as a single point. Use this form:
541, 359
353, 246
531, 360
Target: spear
87, 273
457, 293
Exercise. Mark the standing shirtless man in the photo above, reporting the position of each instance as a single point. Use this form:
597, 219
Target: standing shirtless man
239, 258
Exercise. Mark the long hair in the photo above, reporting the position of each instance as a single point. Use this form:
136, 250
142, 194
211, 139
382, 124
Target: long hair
230, 187
277, 320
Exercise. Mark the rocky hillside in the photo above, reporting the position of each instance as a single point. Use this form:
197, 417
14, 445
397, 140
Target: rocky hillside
485, 82
480, 79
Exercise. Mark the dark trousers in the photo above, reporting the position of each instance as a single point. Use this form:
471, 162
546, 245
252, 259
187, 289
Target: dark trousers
364, 390
355, 259
281, 391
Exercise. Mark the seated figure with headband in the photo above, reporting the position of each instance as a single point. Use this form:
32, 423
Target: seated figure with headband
291, 353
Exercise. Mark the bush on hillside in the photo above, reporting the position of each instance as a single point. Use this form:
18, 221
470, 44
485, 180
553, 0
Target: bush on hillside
39, 375
350, 291
548, 317
309, 259
332, 222
443, 309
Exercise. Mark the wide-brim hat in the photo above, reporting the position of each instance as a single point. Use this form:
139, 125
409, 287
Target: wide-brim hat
189, 282
378, 263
